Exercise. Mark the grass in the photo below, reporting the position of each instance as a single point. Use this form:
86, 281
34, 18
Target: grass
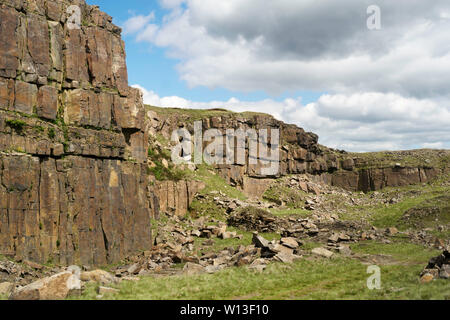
322, 279
390, 215
280, 194
17, 125
411, 158
191, 115
161, 172
400, 250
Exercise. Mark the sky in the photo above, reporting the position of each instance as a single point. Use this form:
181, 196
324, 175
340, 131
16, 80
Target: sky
362, 81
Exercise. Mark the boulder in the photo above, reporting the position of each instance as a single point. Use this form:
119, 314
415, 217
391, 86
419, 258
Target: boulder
99, 276
289, 242
193, 269
56, 287
259, 241
285, 257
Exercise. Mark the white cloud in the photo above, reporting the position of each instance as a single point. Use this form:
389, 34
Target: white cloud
275, 46
388, 89
355, 122
137, 23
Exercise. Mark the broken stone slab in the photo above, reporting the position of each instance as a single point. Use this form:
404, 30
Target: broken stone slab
228, 235
134, 269
322, 252
344, 250
196, 233
193, 269
391, 231
278, 248
285, 257
444, 273
99, 276
289, 242
56, 287
259, 241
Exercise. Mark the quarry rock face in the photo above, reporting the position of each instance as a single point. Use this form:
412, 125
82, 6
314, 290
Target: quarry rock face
299, 154
72, 140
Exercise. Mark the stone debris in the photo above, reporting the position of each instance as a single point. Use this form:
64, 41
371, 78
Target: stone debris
437, 268
322, 252
56, 287
100, 276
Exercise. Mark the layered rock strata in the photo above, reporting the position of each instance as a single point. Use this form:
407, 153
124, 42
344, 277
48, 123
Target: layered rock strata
72, 140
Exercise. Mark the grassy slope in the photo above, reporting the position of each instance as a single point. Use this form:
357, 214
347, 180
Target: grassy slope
311, 278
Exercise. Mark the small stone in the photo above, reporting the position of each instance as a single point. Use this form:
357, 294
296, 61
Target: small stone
444, 273
196, 233
290, 243
285, 257
322, 252
133, 269
426, 278
33, 265
391, 231
259, 241
344, 250
100, 276
334, 238
193, 268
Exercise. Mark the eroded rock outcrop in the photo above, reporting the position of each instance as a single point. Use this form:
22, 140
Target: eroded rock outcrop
72, 140
300, 154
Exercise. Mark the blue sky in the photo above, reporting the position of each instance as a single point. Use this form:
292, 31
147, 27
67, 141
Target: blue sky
150, 66
317, 64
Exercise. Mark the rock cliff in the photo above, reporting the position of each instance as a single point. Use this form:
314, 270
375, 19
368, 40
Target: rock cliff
301, 154
72, 140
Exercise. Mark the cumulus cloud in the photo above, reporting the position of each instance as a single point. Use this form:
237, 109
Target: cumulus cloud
247, 45
355, 122
388, 88
137, 23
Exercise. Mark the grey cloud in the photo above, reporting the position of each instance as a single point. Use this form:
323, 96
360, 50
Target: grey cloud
316, 29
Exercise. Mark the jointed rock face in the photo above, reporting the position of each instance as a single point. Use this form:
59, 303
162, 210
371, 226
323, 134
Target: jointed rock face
72, 139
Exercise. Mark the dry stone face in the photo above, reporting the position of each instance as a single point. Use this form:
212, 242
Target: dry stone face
68, 192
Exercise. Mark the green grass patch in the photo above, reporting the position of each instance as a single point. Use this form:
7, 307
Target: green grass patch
17, 125
305, 279
400, 250
283, 195
191, 115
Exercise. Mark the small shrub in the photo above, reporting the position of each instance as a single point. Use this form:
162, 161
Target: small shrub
17, 125
51, 133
